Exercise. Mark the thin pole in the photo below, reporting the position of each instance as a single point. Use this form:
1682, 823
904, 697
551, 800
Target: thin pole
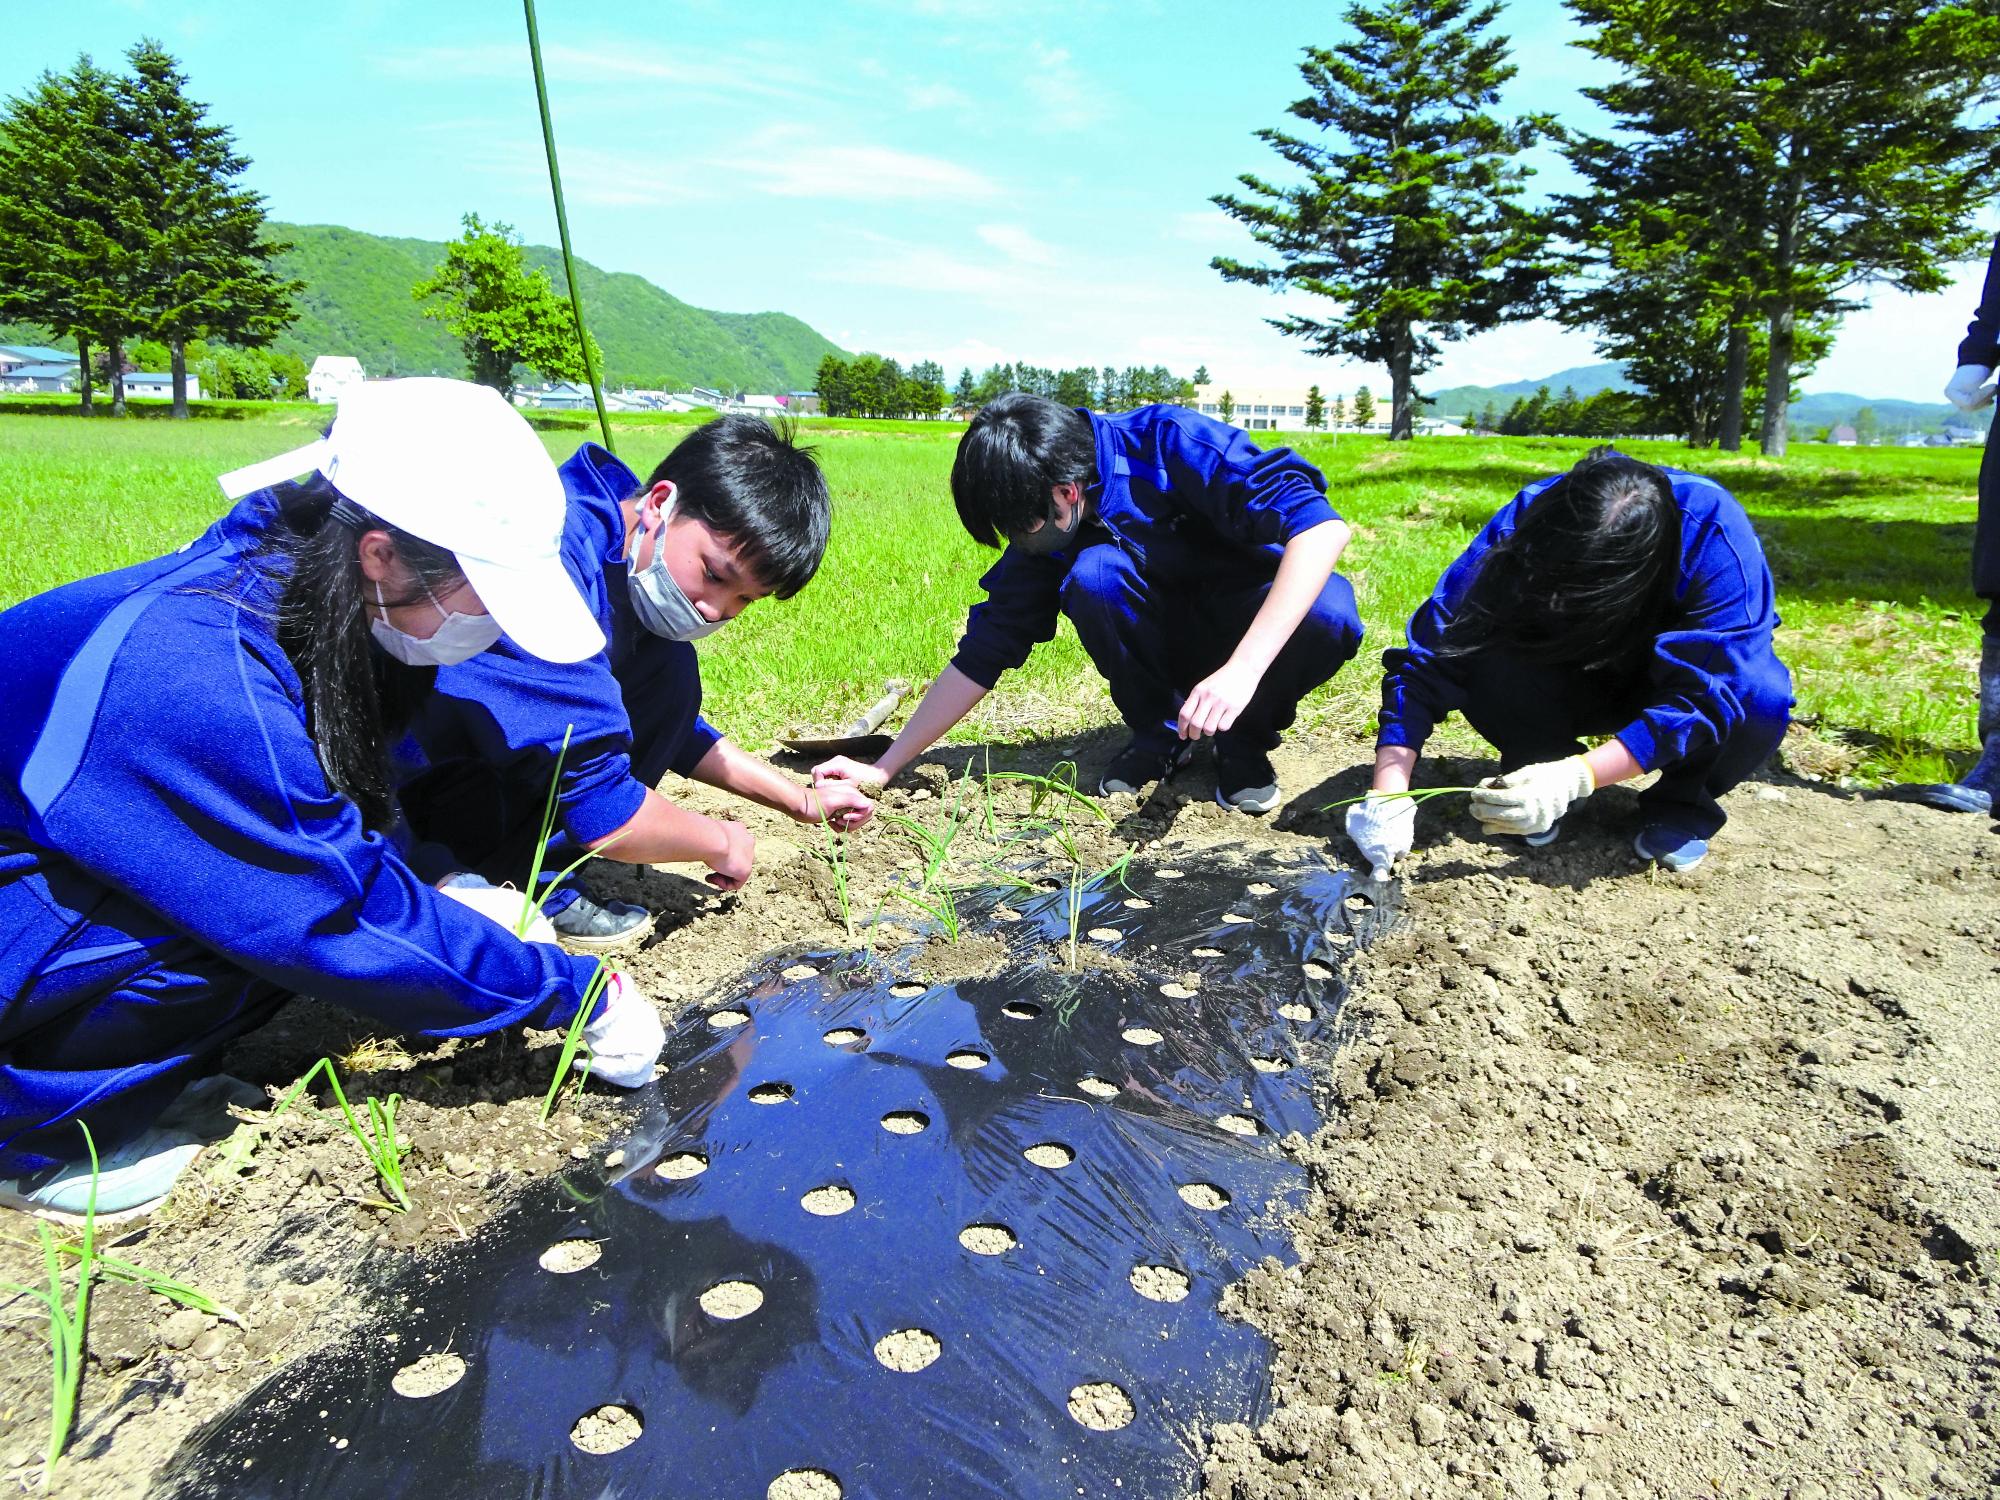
562, 222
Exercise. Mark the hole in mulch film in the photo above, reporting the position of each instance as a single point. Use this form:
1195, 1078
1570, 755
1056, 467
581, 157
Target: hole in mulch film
1104, 934
734, 1299
1261, 888
906, 991
682, 1165
1237, 1124
1295, 1010
908, 1350
1203, 1195
722, 1020
1316, 971
843, 1036
1173, 989
429, 1375
565, 1256
1358, 903
1269, 1064
1142, 1036
1101, 1406
1097, 1088
1005, 914
799, 973
828, 1201
905, 1121
606, 1429
1137, 903
1160, 1283
987, 1239
1236, 919
771, 1093
1051, 1154
804, 1484
1171, 874
967, 1059
1206, 952
1020, 1010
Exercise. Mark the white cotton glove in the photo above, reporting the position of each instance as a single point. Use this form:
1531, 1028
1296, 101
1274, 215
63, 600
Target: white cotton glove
504, 905
1531, 799
626, 1038
1384, 829
1968, 389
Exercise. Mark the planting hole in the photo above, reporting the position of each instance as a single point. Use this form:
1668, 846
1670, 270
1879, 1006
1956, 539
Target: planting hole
1104, 934
1269, 1064
1203, 1195
1137, 903
798, 972
739, 1299
1170, 874
1173, 989
1096, 1087
428, 1376
607, 1429
1358, 903
1316, 971
968, 1059
722, 1020
906, 990
1296, 1010
1160, 1283
1236, 918
1339, 939
1206, 952
565, 1256
1262, 888
1005, 914
828, 1201
908, 1350
987, 1239
1051, 1154
1237, 1124
843, 1036
771, 1093
905, 1121
1142, 1036
804, 1484
1101, 1406
1020, 1010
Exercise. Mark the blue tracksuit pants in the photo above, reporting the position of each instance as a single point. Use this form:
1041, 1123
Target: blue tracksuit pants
1153, 639
1532, 712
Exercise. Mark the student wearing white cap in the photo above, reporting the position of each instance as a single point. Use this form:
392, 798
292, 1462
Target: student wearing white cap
196, 815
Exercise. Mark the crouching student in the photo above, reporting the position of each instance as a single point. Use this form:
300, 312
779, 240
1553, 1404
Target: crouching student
1197, 569
1618, 599
736, 512
196, 816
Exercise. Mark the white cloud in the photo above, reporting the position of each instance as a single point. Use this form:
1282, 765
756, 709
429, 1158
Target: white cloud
793, 162
1017, 244
1064, 98
937, 96
733, 76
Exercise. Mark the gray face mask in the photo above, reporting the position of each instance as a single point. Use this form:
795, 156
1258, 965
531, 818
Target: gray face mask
1048, 537
658, 601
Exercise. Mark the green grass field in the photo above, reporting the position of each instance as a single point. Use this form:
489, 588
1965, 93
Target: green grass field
1870, 548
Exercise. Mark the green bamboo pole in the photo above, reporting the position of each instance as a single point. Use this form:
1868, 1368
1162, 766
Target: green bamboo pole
562, 221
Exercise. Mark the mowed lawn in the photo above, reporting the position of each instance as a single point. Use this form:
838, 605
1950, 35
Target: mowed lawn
1870, 548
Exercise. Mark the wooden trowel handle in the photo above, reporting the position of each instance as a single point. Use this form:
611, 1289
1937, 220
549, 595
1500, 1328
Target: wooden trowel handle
879, 710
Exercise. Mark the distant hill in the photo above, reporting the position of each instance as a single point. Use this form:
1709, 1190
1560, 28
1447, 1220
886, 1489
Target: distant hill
357, 301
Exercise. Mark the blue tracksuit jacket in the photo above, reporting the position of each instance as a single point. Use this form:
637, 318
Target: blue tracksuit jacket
173, 861
1713, 657
1185, 496
1981, 345
632, 711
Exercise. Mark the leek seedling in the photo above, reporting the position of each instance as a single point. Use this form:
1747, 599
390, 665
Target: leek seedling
377, 1139
573, 1040
941, 905
1423, 794
66, 1324
531, 908
832, 852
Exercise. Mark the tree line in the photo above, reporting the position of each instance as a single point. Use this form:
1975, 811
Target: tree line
870, 385
122, 218
1764, 163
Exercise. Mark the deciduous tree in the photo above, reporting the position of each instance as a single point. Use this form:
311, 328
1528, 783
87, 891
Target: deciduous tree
502, 313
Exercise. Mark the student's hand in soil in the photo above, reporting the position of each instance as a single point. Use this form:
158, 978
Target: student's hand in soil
843, 768
625, 1038
1531, 799
728, 870
840, 804
1214, 703
1384, 829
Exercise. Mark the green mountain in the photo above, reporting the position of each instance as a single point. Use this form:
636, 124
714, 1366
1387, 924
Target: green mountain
357, 301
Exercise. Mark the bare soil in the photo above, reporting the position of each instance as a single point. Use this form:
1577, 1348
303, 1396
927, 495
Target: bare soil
1633, 1184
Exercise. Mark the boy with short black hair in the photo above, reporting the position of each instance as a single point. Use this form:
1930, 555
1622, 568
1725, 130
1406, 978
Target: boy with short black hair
738, 511
1197, 569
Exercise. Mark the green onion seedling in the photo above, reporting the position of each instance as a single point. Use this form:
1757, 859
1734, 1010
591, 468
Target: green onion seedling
1423, 794
833, 854
377, 1139
573, 1041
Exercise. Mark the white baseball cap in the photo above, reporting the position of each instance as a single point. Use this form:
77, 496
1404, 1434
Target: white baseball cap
453, 463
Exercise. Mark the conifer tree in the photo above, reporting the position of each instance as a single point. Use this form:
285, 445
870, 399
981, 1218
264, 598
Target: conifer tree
1315, 408
1364, 408
1408, 217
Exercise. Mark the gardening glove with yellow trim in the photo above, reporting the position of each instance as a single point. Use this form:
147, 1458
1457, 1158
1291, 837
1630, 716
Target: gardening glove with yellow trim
1531, 799
1384, 828
503, 904
625, 1038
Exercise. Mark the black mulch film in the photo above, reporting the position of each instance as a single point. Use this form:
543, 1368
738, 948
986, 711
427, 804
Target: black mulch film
874, 1237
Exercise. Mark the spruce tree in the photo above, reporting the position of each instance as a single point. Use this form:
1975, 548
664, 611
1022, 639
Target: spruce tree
1364, 408
1315, 408
1409, 216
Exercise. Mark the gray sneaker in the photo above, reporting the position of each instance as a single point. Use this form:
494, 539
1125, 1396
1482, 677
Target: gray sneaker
613, 925
1245, 783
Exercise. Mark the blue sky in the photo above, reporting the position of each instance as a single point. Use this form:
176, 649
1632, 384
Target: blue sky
966, 180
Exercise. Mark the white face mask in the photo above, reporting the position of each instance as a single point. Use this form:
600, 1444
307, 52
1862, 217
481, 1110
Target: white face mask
459, 638
660, 603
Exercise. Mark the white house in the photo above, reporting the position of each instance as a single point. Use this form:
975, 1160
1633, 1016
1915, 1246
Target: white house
49, 379
159, 387
331, 376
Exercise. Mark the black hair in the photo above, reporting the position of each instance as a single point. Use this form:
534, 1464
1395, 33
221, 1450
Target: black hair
1016, 450
754, 484
355, 694
1587, 574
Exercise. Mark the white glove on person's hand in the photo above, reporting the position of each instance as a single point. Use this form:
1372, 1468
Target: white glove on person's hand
504, 905
626, 1038
1968, 389
1384, 828
1531, 799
